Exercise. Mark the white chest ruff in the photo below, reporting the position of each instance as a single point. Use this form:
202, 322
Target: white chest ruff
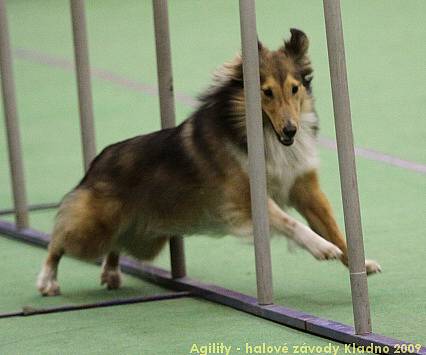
285, 164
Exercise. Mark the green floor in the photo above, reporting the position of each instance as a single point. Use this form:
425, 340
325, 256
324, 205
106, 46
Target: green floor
152, 329
162, 327
385, 55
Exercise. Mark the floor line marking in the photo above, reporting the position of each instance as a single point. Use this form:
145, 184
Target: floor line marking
152, 90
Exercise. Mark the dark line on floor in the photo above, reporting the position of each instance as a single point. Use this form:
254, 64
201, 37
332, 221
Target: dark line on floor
32, 311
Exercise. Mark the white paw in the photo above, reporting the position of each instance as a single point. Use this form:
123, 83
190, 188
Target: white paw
47, 283
320, 248
50, 289
324, 250
372, 267
112, 278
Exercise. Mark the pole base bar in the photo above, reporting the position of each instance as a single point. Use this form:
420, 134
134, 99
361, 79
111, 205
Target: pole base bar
292, 318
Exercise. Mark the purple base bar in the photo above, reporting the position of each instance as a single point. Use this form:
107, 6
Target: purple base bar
26, 235
302, 321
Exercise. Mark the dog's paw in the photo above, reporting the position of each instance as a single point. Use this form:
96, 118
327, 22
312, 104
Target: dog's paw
112, 278
372, 267
47, 283
49, 288
320, 248
325, 250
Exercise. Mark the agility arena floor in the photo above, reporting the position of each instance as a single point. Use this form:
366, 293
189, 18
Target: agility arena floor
385, 57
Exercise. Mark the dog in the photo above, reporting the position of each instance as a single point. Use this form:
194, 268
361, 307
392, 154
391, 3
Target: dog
193, 179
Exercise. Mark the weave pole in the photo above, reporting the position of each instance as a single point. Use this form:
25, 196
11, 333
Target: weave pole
12, 124
256, 153
347, 168
167, 108
82, 66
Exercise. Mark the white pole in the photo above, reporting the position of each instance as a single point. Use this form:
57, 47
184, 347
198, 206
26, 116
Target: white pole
167, 108
82, 65
12, 124
348, 178
256, 152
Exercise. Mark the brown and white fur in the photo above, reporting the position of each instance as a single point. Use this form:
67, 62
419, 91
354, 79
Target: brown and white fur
193, 179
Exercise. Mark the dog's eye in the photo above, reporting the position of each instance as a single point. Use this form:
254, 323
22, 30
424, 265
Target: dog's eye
294, 89
268, 92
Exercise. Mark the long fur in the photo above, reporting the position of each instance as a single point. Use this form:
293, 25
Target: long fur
193, 179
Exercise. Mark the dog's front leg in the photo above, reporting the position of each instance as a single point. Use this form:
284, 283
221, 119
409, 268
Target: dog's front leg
282, 223
311, 202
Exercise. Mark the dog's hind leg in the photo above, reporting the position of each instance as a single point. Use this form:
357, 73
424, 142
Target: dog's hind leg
86, 241
85, 228
111, 275
47, 282
282, 223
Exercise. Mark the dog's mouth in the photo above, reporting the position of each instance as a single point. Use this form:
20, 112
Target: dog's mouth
285, 140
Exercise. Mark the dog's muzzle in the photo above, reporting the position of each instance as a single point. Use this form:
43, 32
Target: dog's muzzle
287, 137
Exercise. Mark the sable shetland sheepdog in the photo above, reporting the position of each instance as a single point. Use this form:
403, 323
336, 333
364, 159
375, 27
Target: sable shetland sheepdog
192, 179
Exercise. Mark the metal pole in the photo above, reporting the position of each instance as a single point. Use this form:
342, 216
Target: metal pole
348, 178
256, 151
12, 124
167, 108
81, 53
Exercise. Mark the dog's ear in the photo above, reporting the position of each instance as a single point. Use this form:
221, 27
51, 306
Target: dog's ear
260, 47
262, 52
297, 46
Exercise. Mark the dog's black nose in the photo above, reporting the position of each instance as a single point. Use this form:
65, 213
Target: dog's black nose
290, 130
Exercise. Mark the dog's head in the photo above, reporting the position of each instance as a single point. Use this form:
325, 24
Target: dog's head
285, 77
